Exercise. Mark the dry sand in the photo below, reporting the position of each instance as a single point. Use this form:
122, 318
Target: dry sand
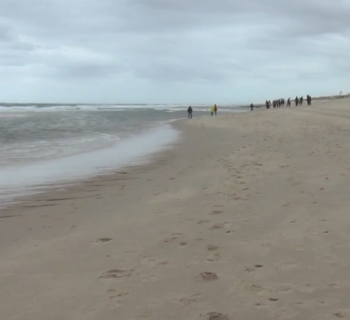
246, 218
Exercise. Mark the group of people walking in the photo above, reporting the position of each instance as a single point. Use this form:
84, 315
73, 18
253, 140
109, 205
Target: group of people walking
275, 104
280, 102
213, 110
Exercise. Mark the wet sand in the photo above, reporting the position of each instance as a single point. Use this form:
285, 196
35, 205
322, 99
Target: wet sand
246, 218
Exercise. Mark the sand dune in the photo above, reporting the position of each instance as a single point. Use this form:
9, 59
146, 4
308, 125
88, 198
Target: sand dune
246, 218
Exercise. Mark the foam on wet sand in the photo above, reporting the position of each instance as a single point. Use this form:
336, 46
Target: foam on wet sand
248, 217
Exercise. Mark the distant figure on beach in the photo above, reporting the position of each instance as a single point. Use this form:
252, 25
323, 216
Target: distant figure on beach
267, 104
301, 100
308, 99
215, 109
288, 102
296, 101
211, 110
189, 112
251, 107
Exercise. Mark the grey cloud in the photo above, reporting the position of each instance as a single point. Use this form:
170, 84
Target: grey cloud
86, 70
172, 40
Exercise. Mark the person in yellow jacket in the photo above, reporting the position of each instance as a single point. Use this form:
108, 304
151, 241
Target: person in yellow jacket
211, 110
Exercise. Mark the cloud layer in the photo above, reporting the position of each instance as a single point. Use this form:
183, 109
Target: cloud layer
175, 51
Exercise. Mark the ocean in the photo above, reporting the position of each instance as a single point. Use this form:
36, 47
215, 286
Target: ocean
44, 144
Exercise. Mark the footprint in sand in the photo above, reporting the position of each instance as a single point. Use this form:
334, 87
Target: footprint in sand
260, 305
203, 221
183, 244
335, 285
168, 240
216, 212
215, 316
212, 248
117, 298
283, 288
207, 276
339, 315
188, 300
147, 277
217, 226
256, 288
174, 236
301, 303
116, 274
153, 262
214, 257
104, 239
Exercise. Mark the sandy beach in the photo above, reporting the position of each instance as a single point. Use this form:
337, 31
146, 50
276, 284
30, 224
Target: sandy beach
247, 217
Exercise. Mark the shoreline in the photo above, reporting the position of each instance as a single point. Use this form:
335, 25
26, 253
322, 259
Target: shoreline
245, 217
58, 171
64, 186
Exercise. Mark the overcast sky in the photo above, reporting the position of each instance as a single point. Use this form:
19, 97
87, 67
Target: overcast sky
172, 51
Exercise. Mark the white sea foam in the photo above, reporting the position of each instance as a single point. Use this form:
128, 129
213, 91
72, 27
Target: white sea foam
55, 108
25, 179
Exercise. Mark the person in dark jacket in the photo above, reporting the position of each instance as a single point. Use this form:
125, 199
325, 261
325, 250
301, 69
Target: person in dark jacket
296, 101
189, 112
308, 100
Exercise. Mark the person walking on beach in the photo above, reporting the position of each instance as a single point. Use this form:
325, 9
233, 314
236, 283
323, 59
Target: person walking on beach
308, 99
189, 112
251, 107
212, 110
296, 101
215, 109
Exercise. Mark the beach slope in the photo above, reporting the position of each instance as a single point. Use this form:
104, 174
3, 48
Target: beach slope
247, 217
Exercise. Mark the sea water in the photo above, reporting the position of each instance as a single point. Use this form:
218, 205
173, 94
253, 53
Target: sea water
44, 144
